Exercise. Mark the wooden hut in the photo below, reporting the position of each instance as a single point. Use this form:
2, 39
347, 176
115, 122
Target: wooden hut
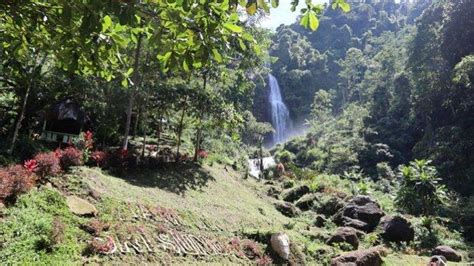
63, 122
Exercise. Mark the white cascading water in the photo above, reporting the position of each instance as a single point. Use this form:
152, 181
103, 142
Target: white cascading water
280, 115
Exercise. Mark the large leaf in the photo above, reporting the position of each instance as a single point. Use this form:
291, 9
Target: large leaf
217, 55
233, 27
313, 21
252, 7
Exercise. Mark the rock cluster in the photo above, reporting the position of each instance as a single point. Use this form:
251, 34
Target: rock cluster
361, 212
397, 229
345, 235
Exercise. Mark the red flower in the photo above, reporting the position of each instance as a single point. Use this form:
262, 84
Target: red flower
88, 139
58, 153
30, 165
88, 136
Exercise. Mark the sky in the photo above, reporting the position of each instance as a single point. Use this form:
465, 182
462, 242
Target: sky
283, 14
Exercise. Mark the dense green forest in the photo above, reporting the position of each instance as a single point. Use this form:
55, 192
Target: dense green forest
385, 84
143, 122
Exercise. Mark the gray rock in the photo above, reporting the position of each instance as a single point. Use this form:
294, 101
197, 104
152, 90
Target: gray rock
437, 261
397, 229
449, 253
274, 192
307, 201
287, 209
319, 221
329, 205
367, 257
362, 208
293, 194
345, 234
280, 243
80, 207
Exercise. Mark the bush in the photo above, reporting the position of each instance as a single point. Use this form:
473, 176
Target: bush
48, 164
70, 157
420, 192
15, 180
285, 156
99, 157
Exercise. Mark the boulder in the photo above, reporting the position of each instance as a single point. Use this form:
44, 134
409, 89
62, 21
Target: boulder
362, 213
367, 257
449, 253
293, 194
288, 183
80, 206
319, 221
94, 194
307, 201
397, 229
345, 234
273, 191
280, 243
329, 205
287, 209
437, 261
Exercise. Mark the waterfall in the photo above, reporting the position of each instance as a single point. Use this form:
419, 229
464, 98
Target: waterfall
280, 115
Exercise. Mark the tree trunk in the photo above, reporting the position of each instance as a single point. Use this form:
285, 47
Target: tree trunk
131, 98
135, 127
20, 119
25, 101
261, 155
197, 146
180, 131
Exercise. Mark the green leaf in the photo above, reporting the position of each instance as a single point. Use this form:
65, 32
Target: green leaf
217, 55
275, 3
233, 27
164, 58
345, 7
313, 21
107, 23
251, 7
124, 82
185, 66
305, 20
242, 45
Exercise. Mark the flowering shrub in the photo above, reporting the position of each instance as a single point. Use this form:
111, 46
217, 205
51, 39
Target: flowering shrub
95, 227
88, 142
101, 246
31, 165
251, 249
71, 157
47, 164
15, 180
99, 157
264, 260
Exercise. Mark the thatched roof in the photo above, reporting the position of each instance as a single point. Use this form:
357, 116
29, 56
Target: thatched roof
67, 109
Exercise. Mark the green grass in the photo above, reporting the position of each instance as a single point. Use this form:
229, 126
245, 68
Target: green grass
214, 194
40, 229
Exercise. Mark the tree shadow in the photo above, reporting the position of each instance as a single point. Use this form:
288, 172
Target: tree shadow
173, 177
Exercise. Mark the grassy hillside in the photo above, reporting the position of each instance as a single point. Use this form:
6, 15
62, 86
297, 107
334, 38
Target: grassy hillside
208, 202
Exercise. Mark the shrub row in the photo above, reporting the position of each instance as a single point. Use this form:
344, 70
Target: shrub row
17, 179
